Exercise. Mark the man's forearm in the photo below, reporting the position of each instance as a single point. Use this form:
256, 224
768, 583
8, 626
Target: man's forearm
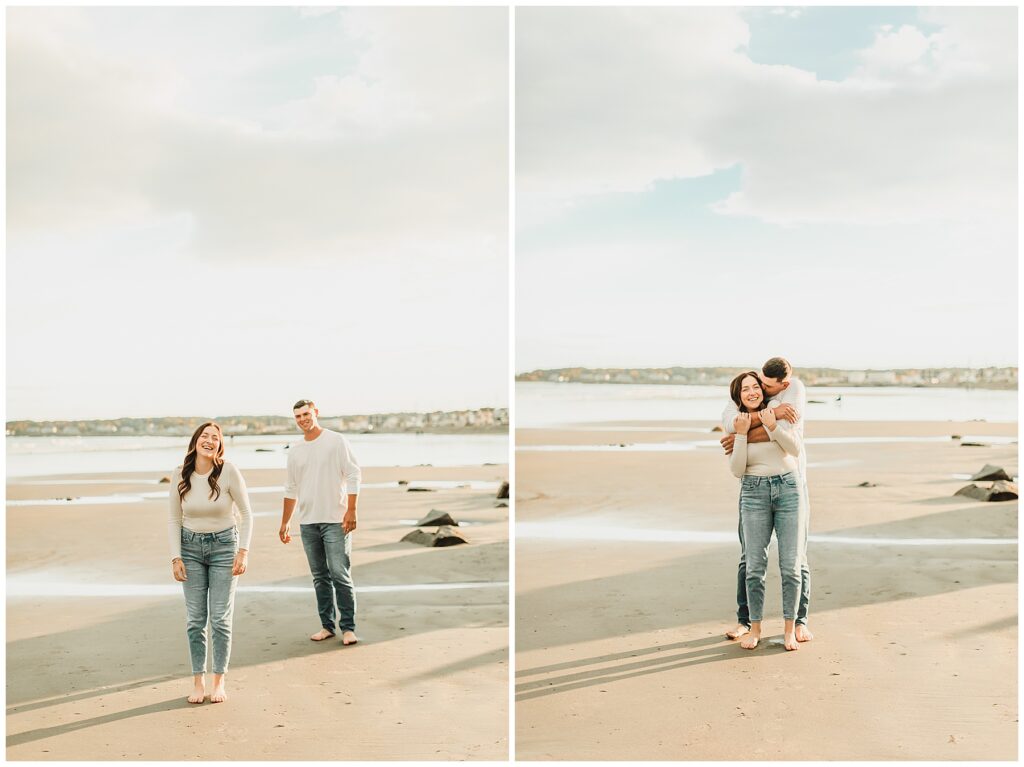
287, 511
352, 498
757, 434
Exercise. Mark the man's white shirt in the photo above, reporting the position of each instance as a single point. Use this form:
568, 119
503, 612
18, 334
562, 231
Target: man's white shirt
321, 472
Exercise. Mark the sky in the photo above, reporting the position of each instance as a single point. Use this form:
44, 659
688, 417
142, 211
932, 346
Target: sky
717, 186
217, 211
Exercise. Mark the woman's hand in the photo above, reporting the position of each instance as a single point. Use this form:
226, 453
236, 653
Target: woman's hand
742, 423
768, 419
178, 570
241, 562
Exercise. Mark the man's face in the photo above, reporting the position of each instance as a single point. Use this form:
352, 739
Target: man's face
773, 386
305, 417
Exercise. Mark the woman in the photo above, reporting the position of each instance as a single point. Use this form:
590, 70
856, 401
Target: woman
208, 551
769, 499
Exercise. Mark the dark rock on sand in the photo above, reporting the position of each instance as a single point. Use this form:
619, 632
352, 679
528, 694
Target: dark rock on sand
990, 472
445, 536
503, 490
449, 536
972, 444
501, 505
717, 428
419, 490
164, 480
436, 518
422, 537
867, 484
998, 491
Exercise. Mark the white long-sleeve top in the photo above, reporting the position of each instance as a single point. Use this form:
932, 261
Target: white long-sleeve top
321, 472
796, 395
202, 514
766, 459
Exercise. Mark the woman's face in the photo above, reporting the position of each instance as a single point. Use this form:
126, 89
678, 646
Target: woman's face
208, 444
750, 393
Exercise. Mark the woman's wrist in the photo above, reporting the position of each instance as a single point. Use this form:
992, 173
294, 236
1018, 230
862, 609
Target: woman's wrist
176, 559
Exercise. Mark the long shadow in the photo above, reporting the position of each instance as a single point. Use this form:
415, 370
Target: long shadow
147, 645
62, 729
723, 651
642, 601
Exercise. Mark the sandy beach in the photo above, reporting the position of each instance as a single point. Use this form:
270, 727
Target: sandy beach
103, 674
626, 567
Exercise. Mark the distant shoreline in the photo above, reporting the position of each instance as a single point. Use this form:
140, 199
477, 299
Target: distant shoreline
993, 386
478, 421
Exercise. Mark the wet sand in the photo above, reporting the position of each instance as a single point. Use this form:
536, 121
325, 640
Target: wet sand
105, 677
626, 570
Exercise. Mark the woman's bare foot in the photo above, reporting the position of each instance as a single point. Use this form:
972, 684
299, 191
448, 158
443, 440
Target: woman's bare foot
789, 635
349, 637
803, 634
737, 632
219, 694
752, 637
198, 689
321, 635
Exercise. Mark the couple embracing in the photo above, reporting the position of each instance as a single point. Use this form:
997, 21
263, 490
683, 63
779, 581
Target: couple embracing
210, 545
765, 446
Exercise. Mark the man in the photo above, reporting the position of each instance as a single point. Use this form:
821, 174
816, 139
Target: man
321, 473
788, 400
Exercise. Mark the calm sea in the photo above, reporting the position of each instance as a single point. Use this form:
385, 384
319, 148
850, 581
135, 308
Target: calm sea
556, 404
38, 456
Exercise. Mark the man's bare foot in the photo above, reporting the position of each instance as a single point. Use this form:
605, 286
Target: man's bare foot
803, 634
321, 635
198, 689
789, 640
219, 694
737, 632
349, 637
750, 640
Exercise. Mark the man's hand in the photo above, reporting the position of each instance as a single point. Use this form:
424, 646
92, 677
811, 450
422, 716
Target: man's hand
727, 442
348, 522
785, 412
285, 533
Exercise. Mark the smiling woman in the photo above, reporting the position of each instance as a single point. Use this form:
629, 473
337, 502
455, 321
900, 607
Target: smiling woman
209, 550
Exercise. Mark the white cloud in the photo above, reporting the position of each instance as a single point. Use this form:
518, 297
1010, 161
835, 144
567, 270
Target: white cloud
611, 100
409, 145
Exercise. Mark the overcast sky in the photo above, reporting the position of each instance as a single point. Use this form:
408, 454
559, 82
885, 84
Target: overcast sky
717, 186
221, 210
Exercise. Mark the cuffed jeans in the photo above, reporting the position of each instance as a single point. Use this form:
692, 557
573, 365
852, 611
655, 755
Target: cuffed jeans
766, 504
329, 553
209, 594
742, 610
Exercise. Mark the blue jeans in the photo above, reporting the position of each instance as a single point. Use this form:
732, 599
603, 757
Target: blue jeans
329, 553
209, 594
766, 504
742, 610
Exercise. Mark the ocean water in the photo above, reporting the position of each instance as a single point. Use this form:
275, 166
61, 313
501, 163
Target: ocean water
540, 405
40, 456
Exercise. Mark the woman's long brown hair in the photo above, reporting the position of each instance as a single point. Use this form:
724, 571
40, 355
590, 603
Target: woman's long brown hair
189, 465
737, 385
